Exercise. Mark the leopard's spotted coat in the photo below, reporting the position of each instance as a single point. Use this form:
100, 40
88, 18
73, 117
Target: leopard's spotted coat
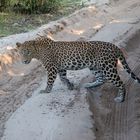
58, 57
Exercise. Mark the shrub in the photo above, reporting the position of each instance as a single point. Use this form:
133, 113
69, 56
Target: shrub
36, 6
4, 4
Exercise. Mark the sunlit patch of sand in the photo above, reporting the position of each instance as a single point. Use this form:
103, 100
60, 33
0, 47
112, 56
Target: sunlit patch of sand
8, 58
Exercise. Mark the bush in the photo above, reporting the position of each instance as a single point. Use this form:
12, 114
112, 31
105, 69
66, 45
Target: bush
36, 6
50, 6
4, 4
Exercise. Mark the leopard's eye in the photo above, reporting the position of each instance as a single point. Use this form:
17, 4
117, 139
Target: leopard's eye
26, 52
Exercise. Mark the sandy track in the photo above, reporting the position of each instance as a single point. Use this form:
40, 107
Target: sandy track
20, 82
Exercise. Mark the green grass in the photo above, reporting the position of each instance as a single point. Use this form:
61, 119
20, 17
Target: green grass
11, 23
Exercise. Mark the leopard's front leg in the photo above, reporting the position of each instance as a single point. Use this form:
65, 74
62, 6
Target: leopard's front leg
52, 74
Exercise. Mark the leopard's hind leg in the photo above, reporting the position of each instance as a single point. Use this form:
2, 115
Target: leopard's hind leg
114, 78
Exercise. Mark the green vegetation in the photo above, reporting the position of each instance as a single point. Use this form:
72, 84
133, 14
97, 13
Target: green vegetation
18, 16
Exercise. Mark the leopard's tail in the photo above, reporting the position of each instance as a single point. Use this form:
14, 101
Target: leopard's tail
121, 57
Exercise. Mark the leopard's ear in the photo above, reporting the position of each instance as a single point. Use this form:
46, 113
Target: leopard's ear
18, 44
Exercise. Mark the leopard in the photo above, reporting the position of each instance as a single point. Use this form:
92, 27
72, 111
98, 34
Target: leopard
57, 57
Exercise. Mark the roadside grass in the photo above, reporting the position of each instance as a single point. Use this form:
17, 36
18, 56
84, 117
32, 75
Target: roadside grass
11, 23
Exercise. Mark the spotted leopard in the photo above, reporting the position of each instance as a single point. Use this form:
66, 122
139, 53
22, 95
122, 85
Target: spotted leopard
58, 57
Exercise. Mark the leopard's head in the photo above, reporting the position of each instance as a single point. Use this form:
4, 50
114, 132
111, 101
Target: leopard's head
26, 50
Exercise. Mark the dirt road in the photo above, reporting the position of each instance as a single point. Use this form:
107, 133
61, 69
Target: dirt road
117, 22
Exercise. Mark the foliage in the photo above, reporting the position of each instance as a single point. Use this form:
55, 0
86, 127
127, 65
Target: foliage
50, 6
4, 4
31, 6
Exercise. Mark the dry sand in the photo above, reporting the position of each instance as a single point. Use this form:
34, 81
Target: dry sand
64, 114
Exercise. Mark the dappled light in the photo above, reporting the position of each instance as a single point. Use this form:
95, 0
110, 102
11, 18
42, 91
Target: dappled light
8, 58
13, 72
48, 35
115, 21
98, 26
92, 8
119, 21
77, 32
